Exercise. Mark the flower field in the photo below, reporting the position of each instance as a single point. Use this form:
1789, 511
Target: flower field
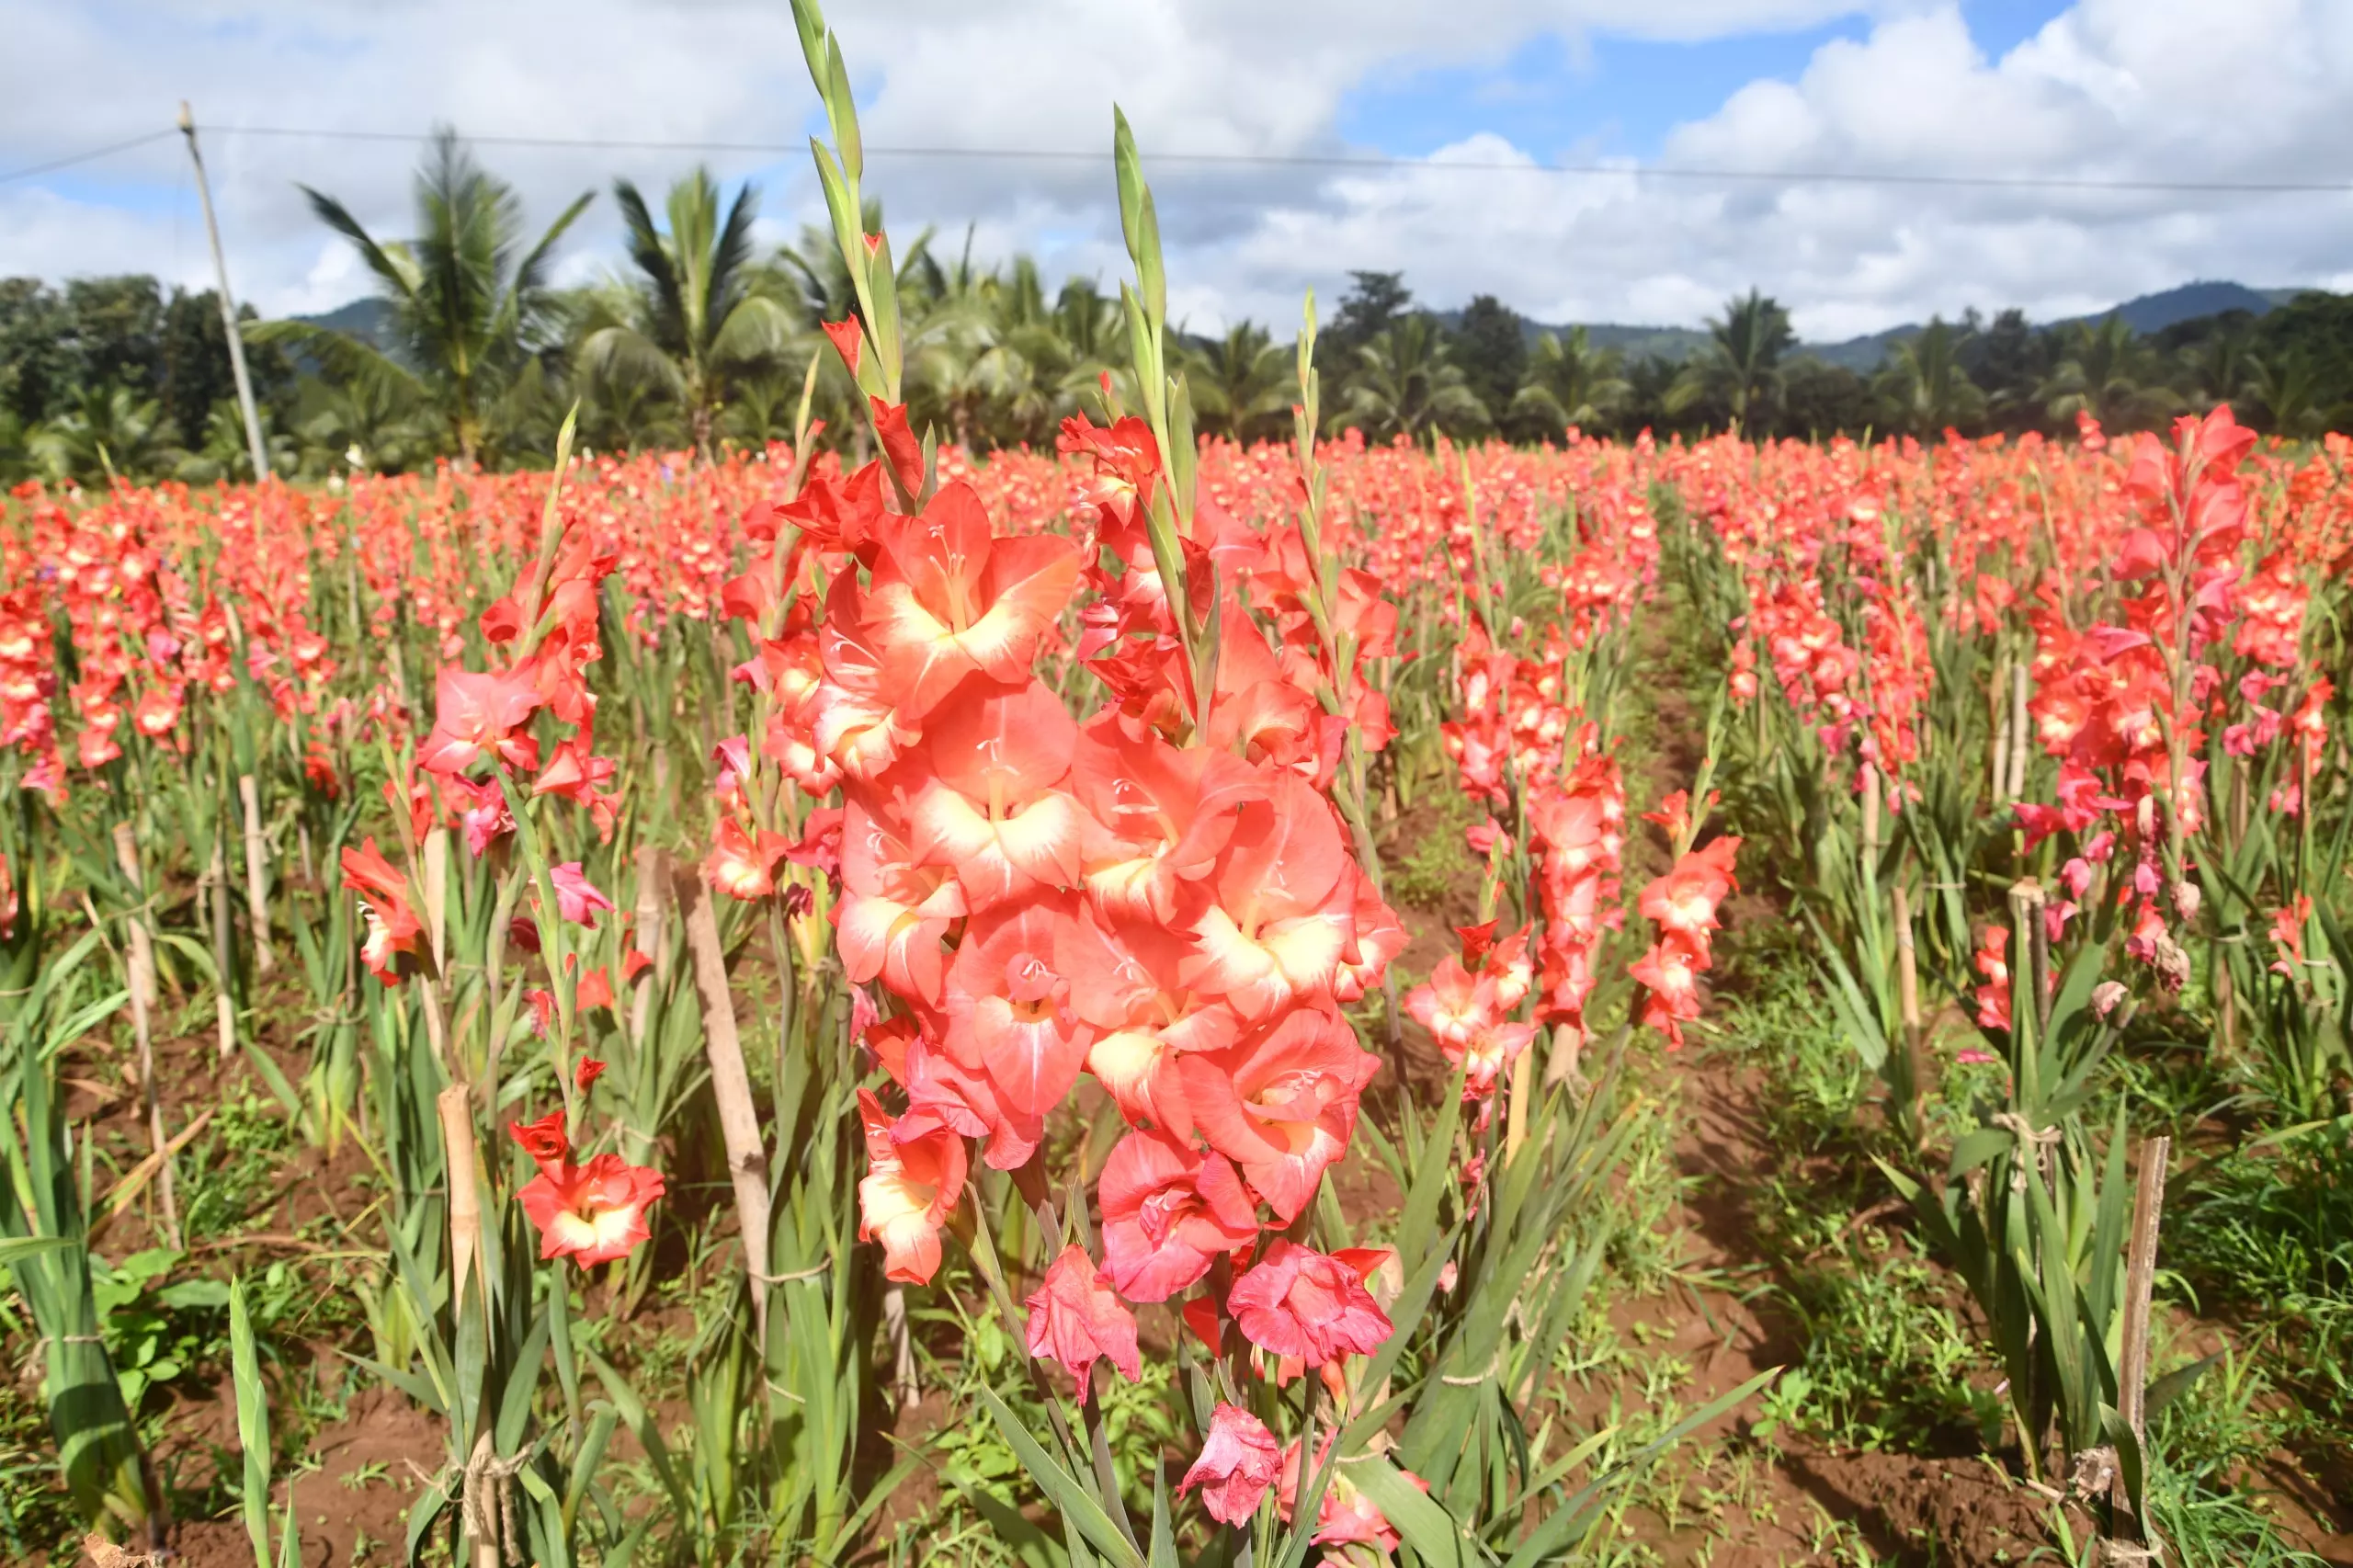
1172, 1003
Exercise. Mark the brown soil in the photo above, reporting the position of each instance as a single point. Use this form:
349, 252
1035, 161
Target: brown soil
352, 1506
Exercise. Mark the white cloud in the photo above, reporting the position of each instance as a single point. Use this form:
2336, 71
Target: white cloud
2113, 89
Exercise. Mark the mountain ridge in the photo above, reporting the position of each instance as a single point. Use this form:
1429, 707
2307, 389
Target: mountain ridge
2144, 312
370, 319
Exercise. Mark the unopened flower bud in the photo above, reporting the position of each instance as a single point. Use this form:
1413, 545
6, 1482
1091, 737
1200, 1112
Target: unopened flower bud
2185, 899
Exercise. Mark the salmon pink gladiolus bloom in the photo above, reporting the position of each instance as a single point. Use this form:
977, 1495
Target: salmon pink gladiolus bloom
1168, 1211
1298, 1302
475, 713
1346, 1515
575, 899
1008, 1004
1238, 1461
1683, 901
948, 600
741, 867
1283, 917
910, 1188
1076, 1319
990, 805
1283, 1104
891, 922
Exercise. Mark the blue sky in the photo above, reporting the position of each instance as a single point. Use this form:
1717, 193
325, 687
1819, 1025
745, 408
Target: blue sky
2128, 90
1609, 95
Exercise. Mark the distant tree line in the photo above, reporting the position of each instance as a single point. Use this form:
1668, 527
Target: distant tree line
705, 337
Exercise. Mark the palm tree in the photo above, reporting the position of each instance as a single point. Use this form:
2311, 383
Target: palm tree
2105, 371
698, 313
1404, 386
1742, 363
110, 431
1241, 383
2287, 385
1925, 383
469, 306
366, 425
1571, 382
2219, 366
223, 453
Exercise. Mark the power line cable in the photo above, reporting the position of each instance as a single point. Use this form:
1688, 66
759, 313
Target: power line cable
94, 153
1345, 160
1333, 161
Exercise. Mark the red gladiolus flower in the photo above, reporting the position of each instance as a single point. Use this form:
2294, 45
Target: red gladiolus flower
592, 1213
1994, 996
156, 712
1670, 972
848, 339
590, 1069
1283, 917
1298, 1302
543, 1140
1238, 1461
596, 991
393, 926
1076, 1319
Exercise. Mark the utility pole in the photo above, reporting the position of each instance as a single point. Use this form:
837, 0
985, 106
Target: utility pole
227, 304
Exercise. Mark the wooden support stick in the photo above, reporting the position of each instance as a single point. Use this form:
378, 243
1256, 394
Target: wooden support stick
465, 1196
645, 936
2140, 1274
2019, 733
142, 1003
256, 875
739, 1121
1908, 992
436, 895
215, 889
1870, 783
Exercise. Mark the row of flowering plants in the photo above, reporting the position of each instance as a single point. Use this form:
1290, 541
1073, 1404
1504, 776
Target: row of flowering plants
2042, 739
922, 891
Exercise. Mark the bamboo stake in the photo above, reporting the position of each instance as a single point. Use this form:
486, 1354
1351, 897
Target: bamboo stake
143, 1001
1523, 1072
906, 1386
215, 888
2019, 733
739, 1122
2140, 1274
256, 875
645, 936
465, 1198
1908, 992
437, 895
1870, 819
2001, 758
